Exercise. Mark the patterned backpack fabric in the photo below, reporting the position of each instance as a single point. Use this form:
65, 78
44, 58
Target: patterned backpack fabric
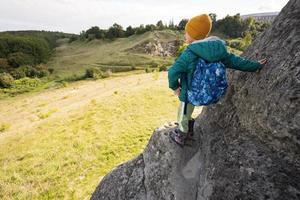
209, 83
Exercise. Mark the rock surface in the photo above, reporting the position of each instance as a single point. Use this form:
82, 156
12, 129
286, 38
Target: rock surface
247, 145
158, 46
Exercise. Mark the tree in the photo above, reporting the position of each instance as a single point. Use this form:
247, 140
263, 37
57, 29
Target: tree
140, 30
213, 17
160, 25
115, 31
150, 27
19, 58
82, 35
232, 26
182, 24
129, 31
171, 25
95, 32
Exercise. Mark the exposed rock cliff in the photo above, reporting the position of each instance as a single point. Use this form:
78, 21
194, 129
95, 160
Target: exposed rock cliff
248, 145
162, 44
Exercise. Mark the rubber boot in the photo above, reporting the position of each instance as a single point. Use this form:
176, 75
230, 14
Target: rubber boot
191, 130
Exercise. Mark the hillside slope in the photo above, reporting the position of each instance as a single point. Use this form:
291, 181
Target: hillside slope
74, 58
248, 145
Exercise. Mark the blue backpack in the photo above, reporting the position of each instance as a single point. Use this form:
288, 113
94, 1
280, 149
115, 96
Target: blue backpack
209, 83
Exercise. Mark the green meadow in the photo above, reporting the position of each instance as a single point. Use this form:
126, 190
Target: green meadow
64, 154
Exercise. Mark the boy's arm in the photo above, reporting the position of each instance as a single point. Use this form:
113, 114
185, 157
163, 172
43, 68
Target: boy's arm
175, 72
235, 62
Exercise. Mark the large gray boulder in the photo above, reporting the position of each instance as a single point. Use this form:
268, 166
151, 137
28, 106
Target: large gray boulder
247, 145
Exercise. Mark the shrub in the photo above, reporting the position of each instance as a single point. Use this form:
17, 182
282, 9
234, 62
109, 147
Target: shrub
74, 77
42, 70
148, 70
163, 68
181, 48
73, 38
94, 73
237, 44
4, 64
27, 83
6, 80
29, 71
18, 73
17, 59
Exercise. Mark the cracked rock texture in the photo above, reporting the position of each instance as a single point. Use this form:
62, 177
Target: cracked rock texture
247, 145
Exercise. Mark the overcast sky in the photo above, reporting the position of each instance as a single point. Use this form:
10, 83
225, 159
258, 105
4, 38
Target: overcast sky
72, 16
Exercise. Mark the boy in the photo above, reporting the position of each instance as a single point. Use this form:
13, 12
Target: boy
212, 50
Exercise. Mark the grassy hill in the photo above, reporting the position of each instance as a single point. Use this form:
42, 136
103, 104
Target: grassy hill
74, 58
70, 60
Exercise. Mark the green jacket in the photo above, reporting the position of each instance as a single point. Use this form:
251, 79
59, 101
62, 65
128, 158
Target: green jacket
211, 49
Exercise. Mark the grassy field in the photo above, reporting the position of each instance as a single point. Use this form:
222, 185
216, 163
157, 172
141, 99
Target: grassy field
74, 58
57, 144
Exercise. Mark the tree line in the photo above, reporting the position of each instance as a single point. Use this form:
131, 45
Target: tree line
230, 26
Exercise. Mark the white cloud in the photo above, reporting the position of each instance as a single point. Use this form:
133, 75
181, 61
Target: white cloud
76, 15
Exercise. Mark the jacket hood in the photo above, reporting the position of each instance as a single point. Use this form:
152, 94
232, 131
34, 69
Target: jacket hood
211, 49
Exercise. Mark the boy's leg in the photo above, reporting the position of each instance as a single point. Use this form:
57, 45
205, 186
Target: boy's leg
183, 118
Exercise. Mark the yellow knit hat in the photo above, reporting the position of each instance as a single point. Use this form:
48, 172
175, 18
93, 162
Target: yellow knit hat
199, 27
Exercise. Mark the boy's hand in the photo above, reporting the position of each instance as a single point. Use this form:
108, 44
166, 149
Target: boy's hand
263, 61
177, 91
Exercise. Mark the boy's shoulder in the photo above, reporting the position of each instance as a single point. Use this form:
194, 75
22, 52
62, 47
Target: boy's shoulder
209, 39
211, 49
207, 42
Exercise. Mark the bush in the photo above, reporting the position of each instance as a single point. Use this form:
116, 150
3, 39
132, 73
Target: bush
17, 59
29, 71
94, 73
4, 64
25, 69
18, 73
73, 38
6, 80
42, 70
26, 82
73, 77
237, 44
163, 68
